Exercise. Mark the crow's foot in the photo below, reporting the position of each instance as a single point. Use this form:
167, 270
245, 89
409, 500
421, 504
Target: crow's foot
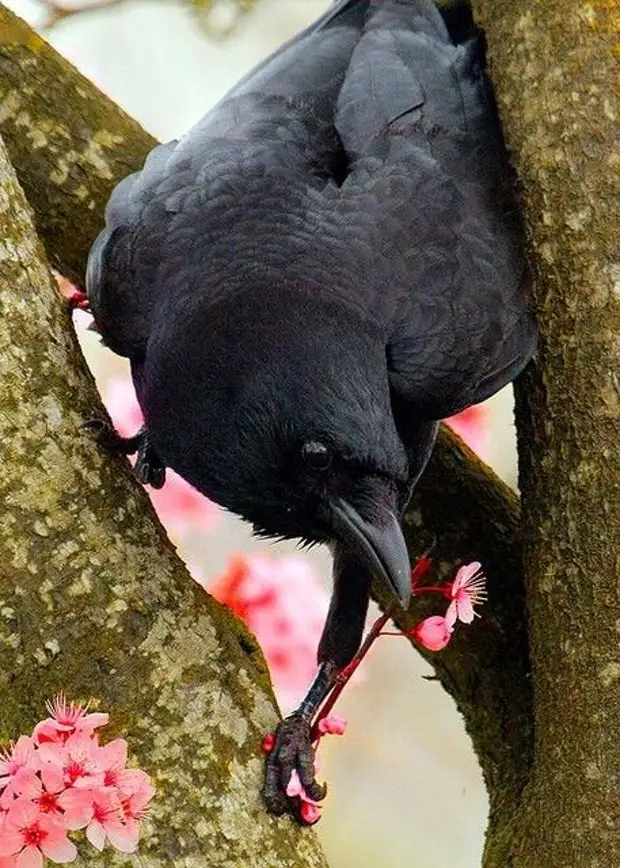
292, 751
149, 468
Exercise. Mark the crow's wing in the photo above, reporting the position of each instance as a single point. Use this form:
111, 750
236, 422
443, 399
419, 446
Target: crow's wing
417, 119
257, 152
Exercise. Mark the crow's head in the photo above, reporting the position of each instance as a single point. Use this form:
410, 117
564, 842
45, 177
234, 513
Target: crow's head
288, 423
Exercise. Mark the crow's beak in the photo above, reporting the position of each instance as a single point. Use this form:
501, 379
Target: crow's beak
379, 546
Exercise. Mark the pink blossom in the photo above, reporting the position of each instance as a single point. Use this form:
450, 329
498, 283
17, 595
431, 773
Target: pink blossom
467, 589
112, 758
34, 835
432, 633
282, 602
310, 812
100, 812
177, 504
136, 792
27, 784
67, 718
77, 759
472, 426
8, 861
333, 724
309, 809
20, 755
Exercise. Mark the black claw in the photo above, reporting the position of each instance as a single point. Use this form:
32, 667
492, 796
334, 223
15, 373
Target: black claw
149, 468
292, 750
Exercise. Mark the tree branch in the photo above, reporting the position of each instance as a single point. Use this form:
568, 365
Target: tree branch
94, 602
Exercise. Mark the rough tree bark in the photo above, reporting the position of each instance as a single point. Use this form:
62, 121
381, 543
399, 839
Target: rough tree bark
554, 63
70, 145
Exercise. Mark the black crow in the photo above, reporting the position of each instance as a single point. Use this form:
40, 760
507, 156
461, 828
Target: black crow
326, 265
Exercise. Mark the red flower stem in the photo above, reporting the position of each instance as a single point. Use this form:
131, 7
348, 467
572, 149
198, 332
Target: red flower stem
345, 674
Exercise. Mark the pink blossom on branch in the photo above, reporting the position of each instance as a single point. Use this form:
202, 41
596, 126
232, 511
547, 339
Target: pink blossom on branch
63, 780
467, 590
432, 633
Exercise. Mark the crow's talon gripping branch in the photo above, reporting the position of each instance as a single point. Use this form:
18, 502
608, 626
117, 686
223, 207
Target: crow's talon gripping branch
292, 751
149, 468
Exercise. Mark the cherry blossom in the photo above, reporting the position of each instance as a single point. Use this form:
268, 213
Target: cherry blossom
78, 760
63, 780
20, 755
67, 719
33, 835
433, 633
333, 724
467, 590
310, 810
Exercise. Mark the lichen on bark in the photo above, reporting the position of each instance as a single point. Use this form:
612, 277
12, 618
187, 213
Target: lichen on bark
94, 602
554, 66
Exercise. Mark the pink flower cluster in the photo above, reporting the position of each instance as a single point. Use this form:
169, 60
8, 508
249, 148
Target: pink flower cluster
61, 779
466, 590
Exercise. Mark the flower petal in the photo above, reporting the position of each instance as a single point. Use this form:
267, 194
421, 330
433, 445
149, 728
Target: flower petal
294, 787
464, 607
310, 813
123, 836
78, 808
464, 575
30, 857
21, 813
11, 842
59, 848
96, 834
451, 614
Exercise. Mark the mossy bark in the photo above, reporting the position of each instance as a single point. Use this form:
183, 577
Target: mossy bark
555, 66
94, 602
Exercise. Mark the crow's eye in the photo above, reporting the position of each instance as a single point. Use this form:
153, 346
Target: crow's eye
316, 455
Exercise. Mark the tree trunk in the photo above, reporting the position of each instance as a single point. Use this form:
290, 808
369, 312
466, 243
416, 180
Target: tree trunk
94, 602
554, 65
